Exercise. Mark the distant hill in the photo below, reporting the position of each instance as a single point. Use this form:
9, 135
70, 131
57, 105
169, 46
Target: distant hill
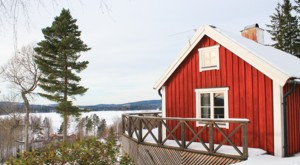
139, 105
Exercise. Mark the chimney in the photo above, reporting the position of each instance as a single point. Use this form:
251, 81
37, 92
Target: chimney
253, 32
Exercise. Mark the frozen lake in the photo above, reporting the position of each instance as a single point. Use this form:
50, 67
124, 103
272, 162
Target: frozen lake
109, 116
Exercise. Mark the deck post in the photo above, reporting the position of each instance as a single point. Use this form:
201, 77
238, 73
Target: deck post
140, 130
211, 137
129, 126
245, 140
123, 123
159, 131
183, 142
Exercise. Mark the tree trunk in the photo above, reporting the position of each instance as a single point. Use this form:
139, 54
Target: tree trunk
65, 128
26, 104
65, 111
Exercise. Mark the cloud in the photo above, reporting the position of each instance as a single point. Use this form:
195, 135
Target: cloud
134, 43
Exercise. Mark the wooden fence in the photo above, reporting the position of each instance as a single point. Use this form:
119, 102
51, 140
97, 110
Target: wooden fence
139, 126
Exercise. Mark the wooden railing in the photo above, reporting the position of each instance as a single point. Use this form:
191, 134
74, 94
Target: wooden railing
139, 126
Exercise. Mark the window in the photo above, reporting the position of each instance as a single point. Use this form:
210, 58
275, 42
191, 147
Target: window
209, 58
212, 103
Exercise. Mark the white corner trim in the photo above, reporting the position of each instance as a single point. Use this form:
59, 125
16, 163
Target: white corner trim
163, 109
278, 119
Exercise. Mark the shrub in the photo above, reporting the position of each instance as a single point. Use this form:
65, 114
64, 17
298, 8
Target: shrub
87, 151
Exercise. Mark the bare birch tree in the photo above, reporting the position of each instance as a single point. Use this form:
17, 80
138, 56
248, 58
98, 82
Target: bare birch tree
23, 74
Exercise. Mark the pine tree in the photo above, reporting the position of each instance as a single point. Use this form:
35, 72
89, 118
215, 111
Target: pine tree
57, 57
276, 27
297, 7
88, 125
284, 28
292, 42
96, 123
112, 138
102, 128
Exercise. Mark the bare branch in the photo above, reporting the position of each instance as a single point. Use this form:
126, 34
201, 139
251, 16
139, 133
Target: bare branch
18, 141
21, 71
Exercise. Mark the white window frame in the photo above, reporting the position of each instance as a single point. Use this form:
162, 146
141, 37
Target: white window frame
204, 50
198, 92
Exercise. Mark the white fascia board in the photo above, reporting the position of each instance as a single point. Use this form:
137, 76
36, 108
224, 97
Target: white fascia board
163, 109
180, 57
236, 48
278, 120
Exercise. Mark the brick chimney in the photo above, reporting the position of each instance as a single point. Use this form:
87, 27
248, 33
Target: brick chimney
253, 32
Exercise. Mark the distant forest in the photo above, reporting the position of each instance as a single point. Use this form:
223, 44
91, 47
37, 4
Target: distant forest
6, 107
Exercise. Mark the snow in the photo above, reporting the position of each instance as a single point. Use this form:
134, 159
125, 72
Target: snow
225, 149
231, 119
256, 156
285, 62
264, 159
110, 116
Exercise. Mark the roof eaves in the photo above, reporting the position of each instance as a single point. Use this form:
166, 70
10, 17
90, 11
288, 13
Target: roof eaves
238, 49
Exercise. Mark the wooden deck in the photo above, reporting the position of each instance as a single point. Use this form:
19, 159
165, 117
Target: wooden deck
139, 127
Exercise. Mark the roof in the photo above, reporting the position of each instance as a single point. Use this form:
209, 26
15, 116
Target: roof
276, 64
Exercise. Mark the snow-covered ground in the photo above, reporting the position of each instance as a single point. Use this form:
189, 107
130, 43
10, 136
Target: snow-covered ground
256, 156
266, 159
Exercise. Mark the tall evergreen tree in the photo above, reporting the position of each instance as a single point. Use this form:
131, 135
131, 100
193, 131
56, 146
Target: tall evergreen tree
276, 29
284, 29
297, 7
57, 57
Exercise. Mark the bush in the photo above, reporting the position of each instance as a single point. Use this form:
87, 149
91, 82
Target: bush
87, 151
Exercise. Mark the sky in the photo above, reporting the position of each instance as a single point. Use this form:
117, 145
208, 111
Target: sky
132, 41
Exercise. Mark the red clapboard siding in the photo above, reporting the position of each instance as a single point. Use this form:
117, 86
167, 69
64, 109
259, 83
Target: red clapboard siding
262, 109
293, 119
269, 113
250, 94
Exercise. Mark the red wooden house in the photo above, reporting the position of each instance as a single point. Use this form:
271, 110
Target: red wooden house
222, 75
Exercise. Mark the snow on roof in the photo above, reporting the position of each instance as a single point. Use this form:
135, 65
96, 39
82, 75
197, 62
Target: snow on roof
285, 62
276, 64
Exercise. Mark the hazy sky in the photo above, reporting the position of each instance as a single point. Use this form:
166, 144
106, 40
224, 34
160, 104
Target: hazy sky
133, 41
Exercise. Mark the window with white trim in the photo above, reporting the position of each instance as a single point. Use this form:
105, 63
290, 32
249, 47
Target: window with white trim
209, 58
212, 103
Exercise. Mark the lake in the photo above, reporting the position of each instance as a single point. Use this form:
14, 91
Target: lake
109, 116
